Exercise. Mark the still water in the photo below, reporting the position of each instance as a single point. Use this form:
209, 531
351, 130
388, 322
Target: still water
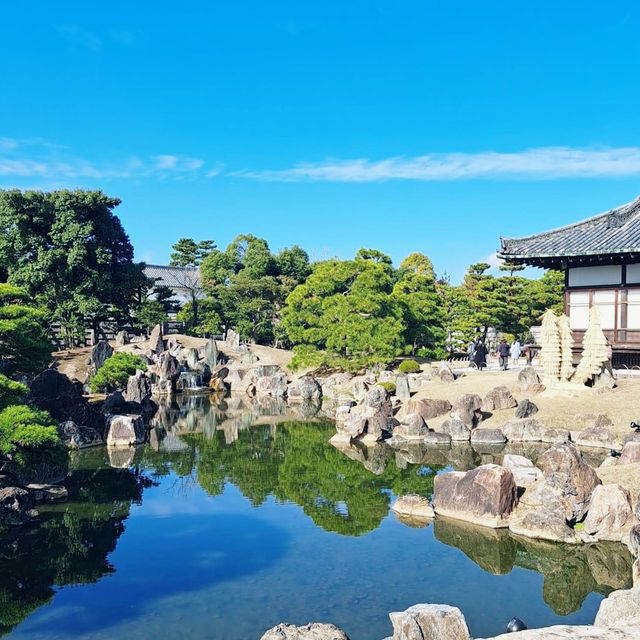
230, 522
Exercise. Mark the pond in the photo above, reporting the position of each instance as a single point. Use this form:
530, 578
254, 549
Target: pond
230, 522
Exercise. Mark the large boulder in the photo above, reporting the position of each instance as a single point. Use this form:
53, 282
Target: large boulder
113, 403
16, 507
487, 436
78, 436
486, 495
122, 338
524, 430
429, 622
191, 358
169, 368
610, 515
468, 409
274, 385
526, 408
53, 392
426, 407
334, 385
156, 343
541, 514
99, 353
125, 431
311, 631
456, 429
564, 468
498, 398
304, 389
620, 610
138, 387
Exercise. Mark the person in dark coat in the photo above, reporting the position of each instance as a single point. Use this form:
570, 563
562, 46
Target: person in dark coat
480, 356
503, 354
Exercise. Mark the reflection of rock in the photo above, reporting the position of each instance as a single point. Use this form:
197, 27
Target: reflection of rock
16, 507
610, 564
120, 458
492, 549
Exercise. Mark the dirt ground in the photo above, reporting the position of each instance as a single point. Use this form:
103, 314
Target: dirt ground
567, 410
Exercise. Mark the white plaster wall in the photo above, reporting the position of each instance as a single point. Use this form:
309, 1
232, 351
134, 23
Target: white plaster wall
593, 276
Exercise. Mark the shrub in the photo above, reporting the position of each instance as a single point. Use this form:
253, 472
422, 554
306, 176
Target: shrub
11, 392
115, 372
409, 366
389, 386
435, 353
22, 426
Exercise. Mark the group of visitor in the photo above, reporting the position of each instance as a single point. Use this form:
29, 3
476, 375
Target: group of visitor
477, 352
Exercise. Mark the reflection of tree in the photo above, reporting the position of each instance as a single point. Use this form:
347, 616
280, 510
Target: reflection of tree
570, 572
293, 462
70, 545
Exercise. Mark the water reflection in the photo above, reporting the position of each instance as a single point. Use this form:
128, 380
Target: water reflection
265, 450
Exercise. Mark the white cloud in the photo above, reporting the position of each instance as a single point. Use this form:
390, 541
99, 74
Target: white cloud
545, 163
37, 158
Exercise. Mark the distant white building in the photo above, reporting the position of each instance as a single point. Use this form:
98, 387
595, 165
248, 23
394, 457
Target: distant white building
183, 281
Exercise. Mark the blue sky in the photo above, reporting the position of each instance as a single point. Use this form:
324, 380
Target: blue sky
399, 125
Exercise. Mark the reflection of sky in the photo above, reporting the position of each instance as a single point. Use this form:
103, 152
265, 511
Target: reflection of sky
193, 567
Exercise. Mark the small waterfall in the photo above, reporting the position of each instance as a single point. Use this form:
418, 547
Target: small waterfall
189, 382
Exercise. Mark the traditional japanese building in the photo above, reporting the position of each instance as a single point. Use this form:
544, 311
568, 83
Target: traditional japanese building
600, 257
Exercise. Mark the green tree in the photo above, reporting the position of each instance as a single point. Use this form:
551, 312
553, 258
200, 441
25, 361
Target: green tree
151, 313
344, 315
24, 346
189, 253
70, 253
11, 392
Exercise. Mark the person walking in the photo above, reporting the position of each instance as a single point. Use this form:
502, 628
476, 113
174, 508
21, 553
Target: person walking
503, 354
480, 355
471, 350
515, 351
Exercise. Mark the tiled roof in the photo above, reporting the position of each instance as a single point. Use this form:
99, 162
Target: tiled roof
174, 277
613, 232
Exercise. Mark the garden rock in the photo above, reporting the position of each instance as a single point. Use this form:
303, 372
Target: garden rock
498, 398
564, 468
437, 439
486, 495
156, 344
274, 385
122, 338
311, 631
525, 473
446, 373
456, 429
526, 408
426, 407
412, 426
541, 514
429, 622
125, 430
191, 359
596, 436
621, 609
467, 408
16, 507
99, 353
211, 354
610, 515
630, 453
113, 403
413, 505
528, 379
79, 437
487, 436
402, 387
138, 387
304, 389
523, 430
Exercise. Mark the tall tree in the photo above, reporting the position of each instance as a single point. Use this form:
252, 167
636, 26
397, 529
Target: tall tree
189, 253
68, 250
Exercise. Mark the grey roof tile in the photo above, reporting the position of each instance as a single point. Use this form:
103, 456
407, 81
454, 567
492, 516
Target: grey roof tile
174, 277
615, 231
